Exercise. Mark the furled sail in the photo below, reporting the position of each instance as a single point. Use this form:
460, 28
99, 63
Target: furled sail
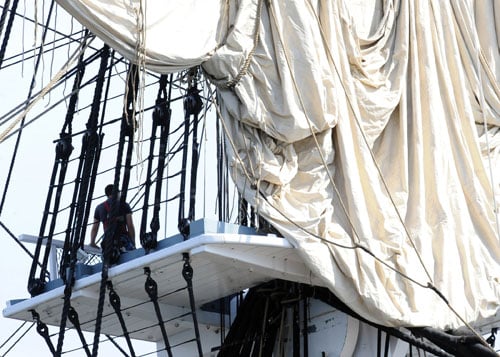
369, 150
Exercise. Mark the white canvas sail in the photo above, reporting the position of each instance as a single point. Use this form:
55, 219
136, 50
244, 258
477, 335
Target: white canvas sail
369, 150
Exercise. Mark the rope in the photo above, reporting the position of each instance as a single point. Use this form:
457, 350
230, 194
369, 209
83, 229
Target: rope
73, 318
187, 274
116, 345
5, 9
17, 241
8, 29
246, 64
161, 118
110, 244
151, 288
19, 338
43, 92
114, 300
43, 331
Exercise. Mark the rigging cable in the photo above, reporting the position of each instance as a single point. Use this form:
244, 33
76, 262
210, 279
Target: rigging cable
192, 107
90, 149
110, 244
151, 288
18, 339
115, 302
5, 10
116, 345
43, 331
73, 318
63, 151
187, 274
161, 119
8, 29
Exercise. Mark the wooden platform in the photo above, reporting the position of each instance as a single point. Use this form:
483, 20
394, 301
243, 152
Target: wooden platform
225, 259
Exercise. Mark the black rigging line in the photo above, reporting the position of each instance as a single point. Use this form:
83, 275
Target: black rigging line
161, 119
18, 242
8, 28
46, 26
45, 51
18, 339
64, 149
4, 15
90, 149
73, 318
110, 244
116, 345
151, 288
43, 331
187, 274
13, 334
192, 107
114, 300
19, 108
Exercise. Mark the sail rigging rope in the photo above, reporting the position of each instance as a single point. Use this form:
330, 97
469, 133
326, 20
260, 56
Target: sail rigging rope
246, 63
8, 29
151, 288
12, 336
115, 302
43, 331
5, 10
45, 90
110, 246
73, 318
74, 237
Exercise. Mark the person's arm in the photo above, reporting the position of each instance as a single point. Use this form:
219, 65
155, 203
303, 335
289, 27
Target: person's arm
130, 227
93, 233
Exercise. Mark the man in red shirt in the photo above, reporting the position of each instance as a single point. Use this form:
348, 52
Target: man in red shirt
125, 226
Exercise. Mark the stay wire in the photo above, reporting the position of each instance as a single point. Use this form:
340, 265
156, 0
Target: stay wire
18, 242
13, 334
55, 46
19, 338
8, 29
117, 345
18, 108
49, 28
5, 9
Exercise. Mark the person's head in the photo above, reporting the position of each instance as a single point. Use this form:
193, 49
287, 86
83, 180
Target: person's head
109, 190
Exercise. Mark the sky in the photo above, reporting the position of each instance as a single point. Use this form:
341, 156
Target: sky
27, 191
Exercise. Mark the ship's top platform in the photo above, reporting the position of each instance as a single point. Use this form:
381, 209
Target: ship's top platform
225, 258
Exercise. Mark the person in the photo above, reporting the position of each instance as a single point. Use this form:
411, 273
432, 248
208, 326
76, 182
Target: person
125, 225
